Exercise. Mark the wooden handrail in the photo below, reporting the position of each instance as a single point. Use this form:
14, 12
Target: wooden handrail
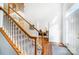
24, 19
21, 28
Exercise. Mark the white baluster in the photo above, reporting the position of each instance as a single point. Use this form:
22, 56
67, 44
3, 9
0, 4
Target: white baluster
21, 42
11, 29
20, 39
16, 36
9, 25
24, 44
13, 33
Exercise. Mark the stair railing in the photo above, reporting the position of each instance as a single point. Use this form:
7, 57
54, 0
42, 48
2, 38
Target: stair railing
27, 44
41, 38
19, 37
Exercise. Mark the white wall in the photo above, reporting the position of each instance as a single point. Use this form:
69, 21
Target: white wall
43, 15
55, 25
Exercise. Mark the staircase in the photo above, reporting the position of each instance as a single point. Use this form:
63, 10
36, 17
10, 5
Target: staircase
21, 41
